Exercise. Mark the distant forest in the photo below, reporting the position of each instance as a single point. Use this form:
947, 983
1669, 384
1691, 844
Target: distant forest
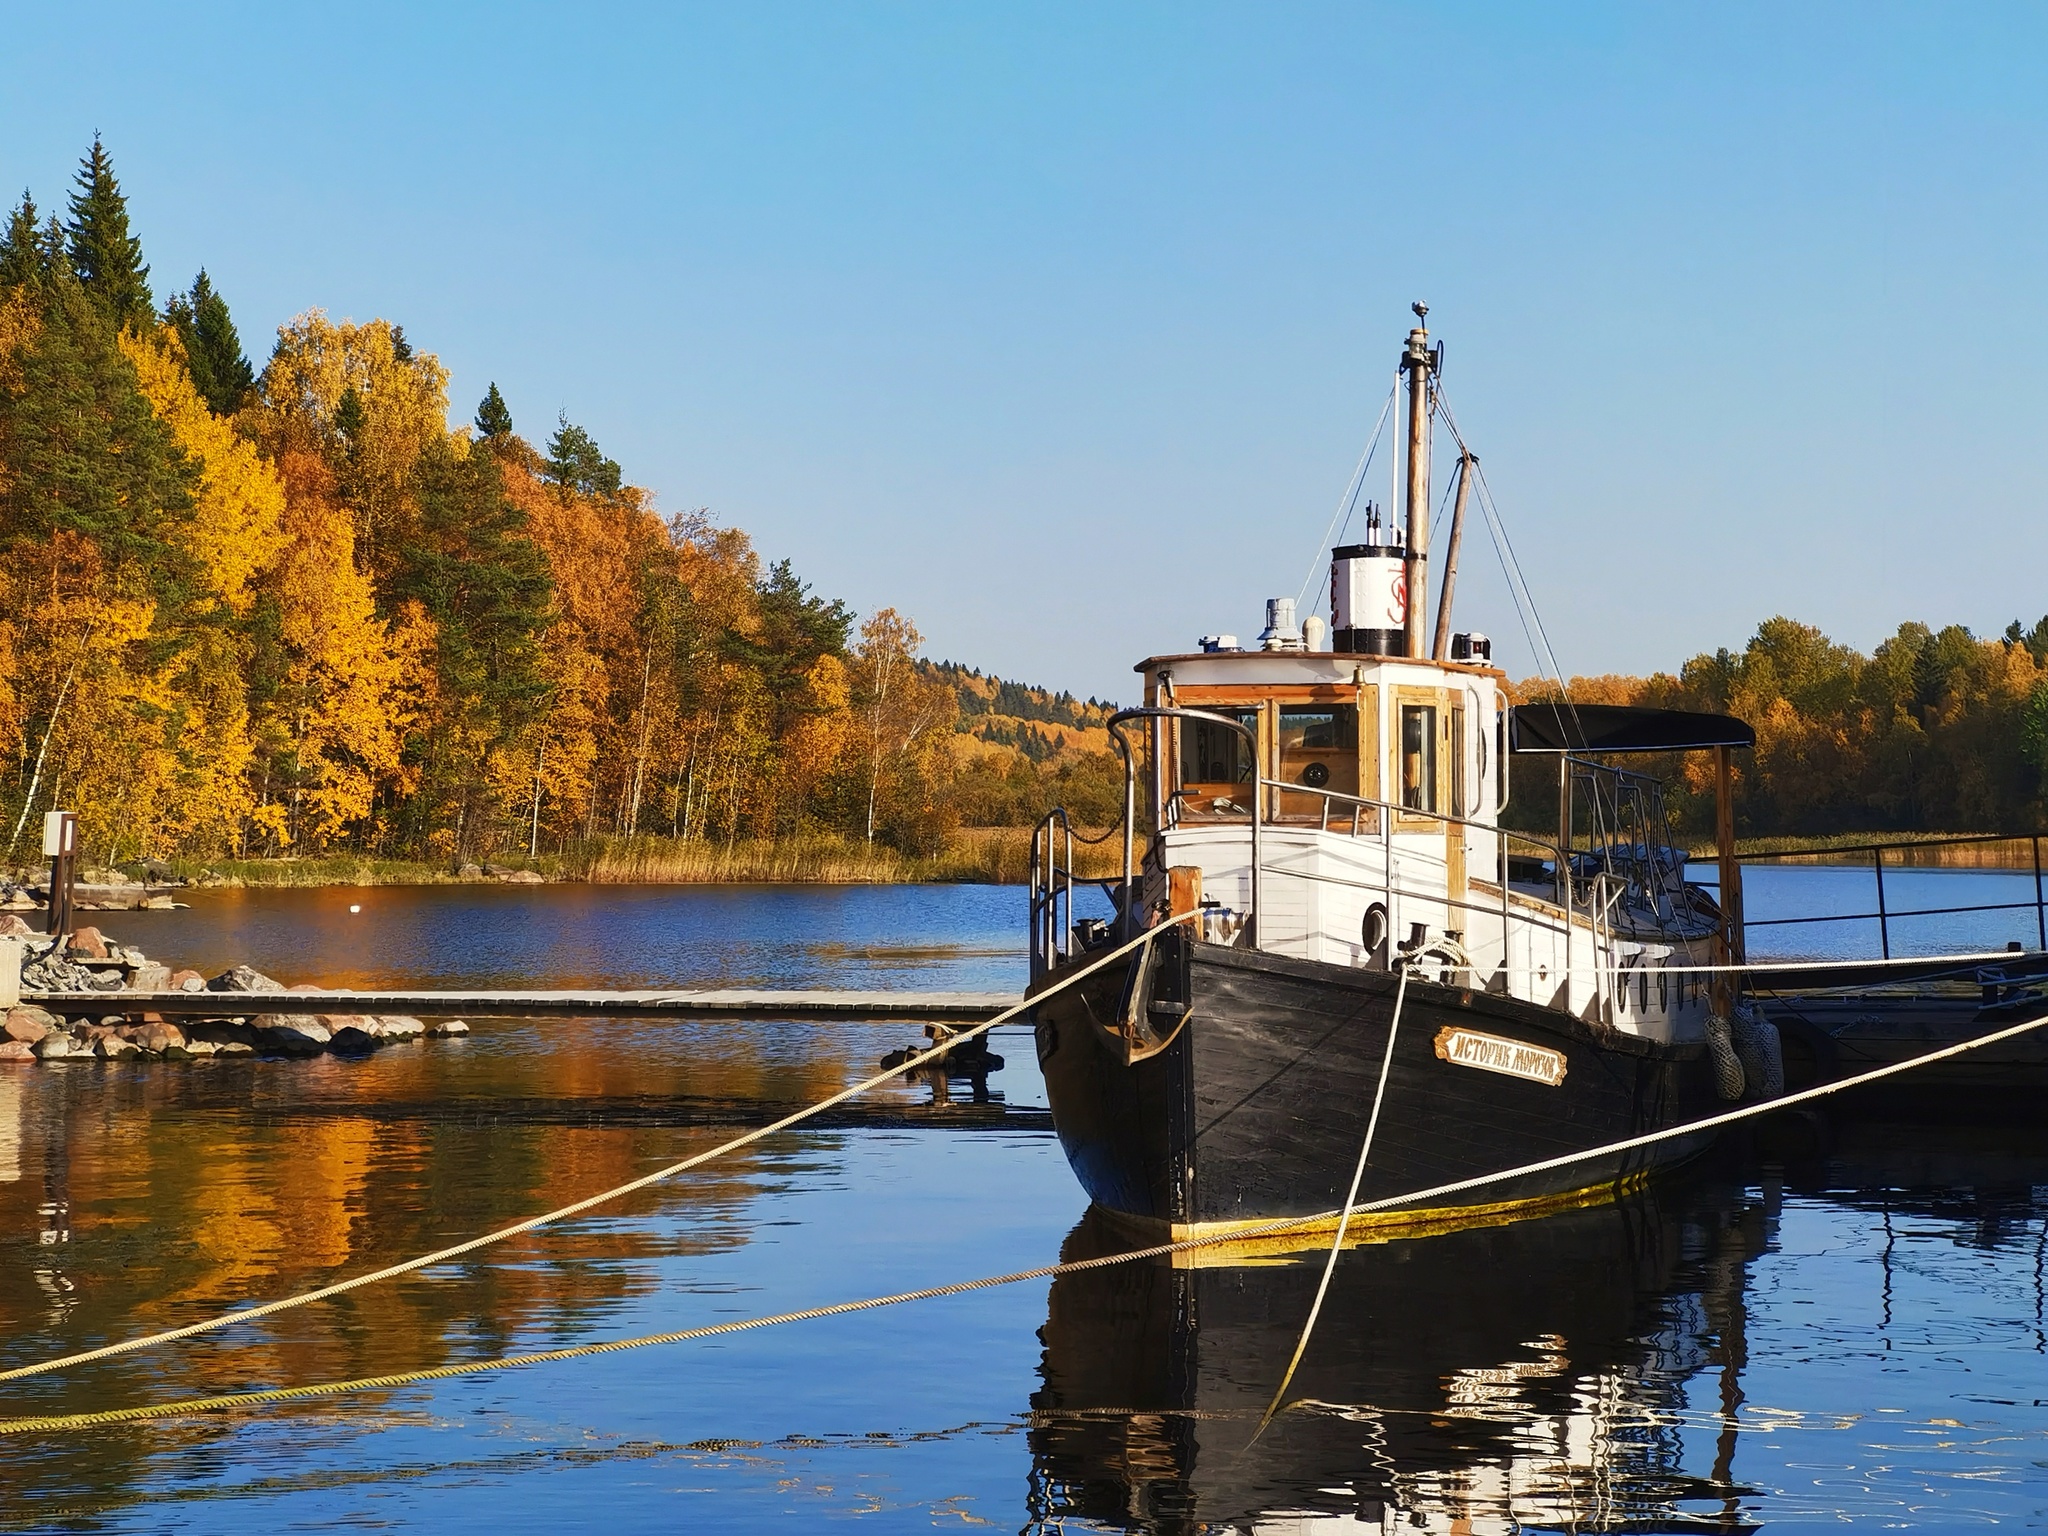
1936, 730
256, 612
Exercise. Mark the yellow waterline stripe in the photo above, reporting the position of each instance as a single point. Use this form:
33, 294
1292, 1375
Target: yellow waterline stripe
184, 1407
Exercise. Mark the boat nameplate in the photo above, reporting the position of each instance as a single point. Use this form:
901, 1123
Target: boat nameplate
1492, 1053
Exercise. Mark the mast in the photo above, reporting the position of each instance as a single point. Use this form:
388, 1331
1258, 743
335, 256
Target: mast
1443, 604
1418, 364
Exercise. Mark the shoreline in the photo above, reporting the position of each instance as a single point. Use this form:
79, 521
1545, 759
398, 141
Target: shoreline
974, 856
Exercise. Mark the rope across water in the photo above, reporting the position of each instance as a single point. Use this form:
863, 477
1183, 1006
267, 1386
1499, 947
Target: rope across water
185, 1407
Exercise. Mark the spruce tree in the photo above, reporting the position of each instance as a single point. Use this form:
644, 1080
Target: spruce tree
21, 248
86, 455
213, 348
348, 415
107, 259
493, 416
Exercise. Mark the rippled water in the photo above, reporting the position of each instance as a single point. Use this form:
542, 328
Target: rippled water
1847, 1322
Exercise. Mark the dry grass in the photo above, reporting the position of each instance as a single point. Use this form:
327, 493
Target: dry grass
984, 855
1917, 850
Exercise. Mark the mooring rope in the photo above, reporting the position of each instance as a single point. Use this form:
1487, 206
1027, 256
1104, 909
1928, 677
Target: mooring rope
562, 1213
183, 1407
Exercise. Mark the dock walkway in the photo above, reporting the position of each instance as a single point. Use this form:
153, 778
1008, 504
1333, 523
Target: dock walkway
723, 1003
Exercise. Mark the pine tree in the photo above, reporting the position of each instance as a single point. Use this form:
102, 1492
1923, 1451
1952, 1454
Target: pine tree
21, 248
493, 416
213, 348
106, 257
576, 464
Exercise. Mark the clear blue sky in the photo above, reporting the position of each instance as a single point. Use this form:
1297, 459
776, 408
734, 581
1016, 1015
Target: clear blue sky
1060, 327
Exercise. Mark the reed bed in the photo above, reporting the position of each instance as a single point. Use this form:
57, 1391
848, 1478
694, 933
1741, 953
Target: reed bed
987, 855
1904, 850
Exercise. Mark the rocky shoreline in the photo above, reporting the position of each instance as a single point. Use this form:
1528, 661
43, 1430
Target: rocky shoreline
91, 963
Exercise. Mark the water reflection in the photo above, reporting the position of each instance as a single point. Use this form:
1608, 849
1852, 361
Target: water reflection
135, 1198
1482, 1380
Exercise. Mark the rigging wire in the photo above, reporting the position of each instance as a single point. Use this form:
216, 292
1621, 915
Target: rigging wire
1349, 500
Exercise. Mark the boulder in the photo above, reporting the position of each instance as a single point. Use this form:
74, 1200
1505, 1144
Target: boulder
92, 1032
88, 943
112, 1047
442, 1029
201, 1048
354, 1034
186, 981
232, 1048
12, 927
223, 1033
26, 1025
161, 1039
523, 877
157, 904
55, 1045
16, 1050
243, 979
153, 977
397, 1027
287, 1034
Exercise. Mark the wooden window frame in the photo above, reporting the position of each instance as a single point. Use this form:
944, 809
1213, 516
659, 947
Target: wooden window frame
1268, 699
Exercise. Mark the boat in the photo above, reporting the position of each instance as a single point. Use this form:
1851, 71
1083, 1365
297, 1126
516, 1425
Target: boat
1315, 819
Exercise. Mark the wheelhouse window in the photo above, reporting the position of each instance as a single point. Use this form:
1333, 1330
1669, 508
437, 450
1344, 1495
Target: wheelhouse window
1319, 746
1457, 746
1418, 757
1217, 764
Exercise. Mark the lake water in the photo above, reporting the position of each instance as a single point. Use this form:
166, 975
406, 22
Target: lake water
1855, 1332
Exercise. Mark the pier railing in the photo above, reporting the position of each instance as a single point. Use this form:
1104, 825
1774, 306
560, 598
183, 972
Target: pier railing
1884, 914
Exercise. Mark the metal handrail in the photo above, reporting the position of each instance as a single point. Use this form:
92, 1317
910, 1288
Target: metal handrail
1175, 712
1885, 913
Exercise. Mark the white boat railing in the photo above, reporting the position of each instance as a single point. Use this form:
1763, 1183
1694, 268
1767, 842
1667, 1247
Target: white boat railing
1054, 877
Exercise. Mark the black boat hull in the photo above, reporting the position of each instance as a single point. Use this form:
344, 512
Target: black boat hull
1254, 1109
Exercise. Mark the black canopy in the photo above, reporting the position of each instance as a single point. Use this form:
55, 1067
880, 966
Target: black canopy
1550, 727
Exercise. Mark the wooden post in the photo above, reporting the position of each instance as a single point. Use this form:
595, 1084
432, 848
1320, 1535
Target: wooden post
1443, 603
60, 842
1727, 943
1417, 361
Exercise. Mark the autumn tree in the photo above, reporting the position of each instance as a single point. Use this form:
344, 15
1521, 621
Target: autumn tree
905, 719
483, 583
